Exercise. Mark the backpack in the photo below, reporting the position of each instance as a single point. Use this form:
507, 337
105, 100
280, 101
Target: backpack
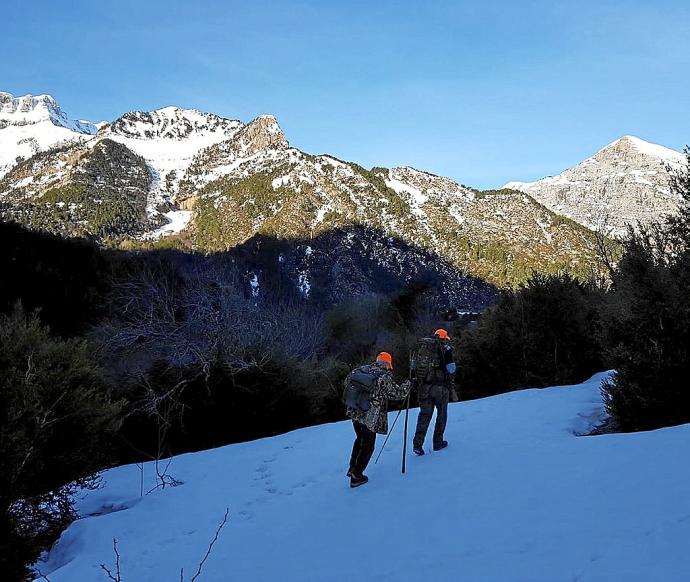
429, 361
359, 388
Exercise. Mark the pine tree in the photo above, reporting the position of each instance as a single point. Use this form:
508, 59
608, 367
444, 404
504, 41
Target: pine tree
647, 322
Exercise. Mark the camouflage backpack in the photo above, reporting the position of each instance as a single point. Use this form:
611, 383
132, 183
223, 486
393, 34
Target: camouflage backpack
359, 388
429, 365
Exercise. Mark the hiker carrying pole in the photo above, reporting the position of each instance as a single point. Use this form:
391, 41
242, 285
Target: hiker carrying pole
395, 421
367, 391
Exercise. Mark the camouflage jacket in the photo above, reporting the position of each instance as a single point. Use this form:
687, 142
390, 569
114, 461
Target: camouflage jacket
376, 418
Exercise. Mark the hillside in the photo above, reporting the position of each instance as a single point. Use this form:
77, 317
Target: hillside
214, 183
516, 496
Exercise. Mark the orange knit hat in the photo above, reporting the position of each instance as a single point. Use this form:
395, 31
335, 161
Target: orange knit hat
386, 358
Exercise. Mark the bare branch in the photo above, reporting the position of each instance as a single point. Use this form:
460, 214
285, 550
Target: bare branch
210, 547
116, 577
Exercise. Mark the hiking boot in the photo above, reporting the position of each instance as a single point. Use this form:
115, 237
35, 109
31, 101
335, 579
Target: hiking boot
441, 445
419, 451
349, 473
357, 480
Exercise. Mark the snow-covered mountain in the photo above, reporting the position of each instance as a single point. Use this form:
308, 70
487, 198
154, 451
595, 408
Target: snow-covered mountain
168, 139
623, 183
32, 124
221, 181
517, 496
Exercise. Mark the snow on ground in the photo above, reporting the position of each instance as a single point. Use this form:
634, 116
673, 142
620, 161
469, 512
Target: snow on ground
416, 198
665, 155
254, 284
517, 496
25, 141
179, 219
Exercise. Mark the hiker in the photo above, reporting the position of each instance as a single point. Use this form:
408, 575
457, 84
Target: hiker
434, 369
367, 391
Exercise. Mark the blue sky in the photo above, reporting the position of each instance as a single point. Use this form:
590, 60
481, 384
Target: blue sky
483, 92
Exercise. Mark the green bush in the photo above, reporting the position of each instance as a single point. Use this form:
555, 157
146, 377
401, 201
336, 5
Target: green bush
54, 430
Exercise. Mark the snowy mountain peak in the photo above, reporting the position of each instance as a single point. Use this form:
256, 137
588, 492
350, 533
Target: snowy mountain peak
35, 109
34, 123
625, 182
630, 145
171, 123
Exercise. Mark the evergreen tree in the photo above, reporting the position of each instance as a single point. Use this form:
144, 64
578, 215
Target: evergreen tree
541, 334
647, 316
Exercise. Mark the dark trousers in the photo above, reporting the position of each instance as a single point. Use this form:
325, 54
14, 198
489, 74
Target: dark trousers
362, 449
430, 397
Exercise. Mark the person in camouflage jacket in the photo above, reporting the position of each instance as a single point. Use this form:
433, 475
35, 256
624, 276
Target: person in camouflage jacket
436, 391
375, 420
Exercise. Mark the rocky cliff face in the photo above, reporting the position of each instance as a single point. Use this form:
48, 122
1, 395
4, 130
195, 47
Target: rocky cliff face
623, 183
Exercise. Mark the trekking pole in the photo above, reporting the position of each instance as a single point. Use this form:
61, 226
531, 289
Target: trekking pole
413, 366
407, 410
390, 432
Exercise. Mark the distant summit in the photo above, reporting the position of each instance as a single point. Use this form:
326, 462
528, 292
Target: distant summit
33, 123
36, 109
625, 182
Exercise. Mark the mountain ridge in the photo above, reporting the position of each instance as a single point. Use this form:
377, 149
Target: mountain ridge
217, 182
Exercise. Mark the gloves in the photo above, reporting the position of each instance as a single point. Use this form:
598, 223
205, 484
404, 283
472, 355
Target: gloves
453, 395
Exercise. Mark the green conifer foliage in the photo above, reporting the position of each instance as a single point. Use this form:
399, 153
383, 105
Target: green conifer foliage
647, 319
55, 423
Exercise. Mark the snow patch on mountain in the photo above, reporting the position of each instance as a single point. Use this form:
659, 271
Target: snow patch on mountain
34, 123
33, 109
178, 221
168, 139
650, 149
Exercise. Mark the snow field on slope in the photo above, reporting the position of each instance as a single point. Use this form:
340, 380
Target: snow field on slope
178, 221
516, 496
25, 141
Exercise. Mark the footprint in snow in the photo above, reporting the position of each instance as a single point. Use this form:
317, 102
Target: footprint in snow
245, 514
